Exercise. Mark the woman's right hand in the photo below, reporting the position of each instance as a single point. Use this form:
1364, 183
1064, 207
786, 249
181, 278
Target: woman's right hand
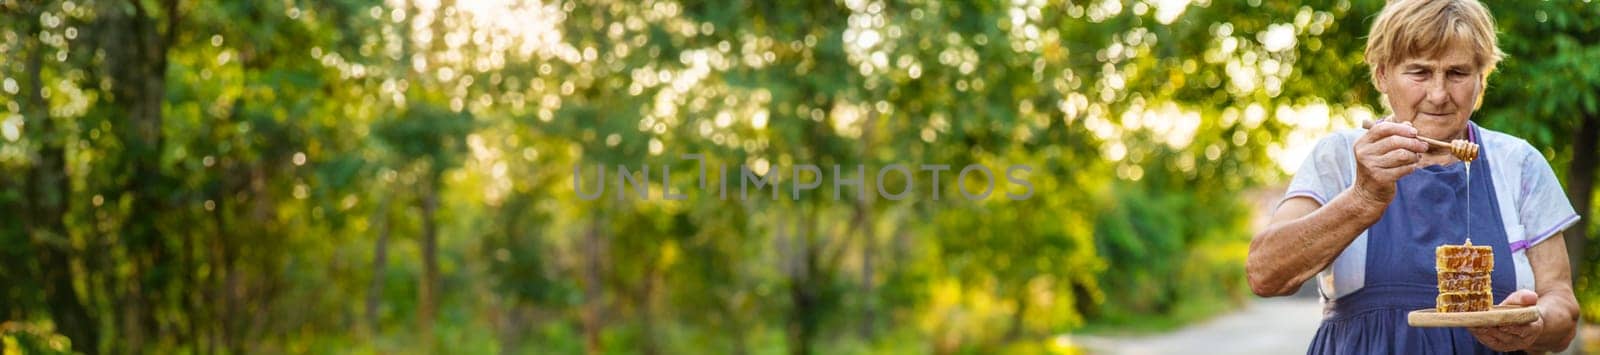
1387, 152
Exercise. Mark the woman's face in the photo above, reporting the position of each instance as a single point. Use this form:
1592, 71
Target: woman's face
1437, 95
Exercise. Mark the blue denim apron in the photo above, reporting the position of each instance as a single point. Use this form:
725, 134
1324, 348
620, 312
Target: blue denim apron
1428, 210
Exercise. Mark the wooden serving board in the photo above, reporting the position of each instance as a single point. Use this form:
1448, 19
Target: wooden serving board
1499, 315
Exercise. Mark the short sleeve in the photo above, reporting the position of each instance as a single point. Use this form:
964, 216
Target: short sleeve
1325, 172
1542, 205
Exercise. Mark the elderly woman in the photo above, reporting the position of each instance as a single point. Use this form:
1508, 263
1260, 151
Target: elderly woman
1367, 208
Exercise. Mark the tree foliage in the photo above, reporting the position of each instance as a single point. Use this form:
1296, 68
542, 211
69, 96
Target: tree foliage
395, 176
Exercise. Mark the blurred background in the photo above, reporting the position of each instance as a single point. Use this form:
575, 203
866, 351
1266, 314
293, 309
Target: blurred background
396, 176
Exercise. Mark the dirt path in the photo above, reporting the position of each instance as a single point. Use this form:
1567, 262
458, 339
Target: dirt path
1267, 326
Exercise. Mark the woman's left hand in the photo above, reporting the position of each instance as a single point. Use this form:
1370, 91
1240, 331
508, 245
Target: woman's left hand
1512, 337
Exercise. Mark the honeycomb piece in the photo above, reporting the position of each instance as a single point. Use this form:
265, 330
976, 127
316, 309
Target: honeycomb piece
1475, 301
1462, 281
1452, 258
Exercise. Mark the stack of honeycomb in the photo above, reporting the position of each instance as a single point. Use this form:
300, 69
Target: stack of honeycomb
1464, 284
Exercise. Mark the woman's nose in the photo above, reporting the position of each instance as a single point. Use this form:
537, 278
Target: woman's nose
1437, 94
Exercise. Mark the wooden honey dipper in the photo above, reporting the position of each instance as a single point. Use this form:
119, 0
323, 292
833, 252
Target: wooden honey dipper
1463, 149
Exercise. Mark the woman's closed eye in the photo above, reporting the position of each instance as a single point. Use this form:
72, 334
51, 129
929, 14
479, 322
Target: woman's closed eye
1452, 74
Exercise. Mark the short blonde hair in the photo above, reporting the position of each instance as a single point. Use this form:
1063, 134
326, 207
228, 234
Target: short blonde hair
1407, 29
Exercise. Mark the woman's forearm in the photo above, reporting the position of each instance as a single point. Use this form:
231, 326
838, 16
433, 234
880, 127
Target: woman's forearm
1287, 253
1557, 304
1560, 315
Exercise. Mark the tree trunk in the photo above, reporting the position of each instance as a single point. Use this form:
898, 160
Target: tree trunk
869, 241
136, 57
869, 250
380, 261
592, 298
222, 307
741, 346
1580, 189
784, 247
803, 317
649, 345
1015, 330
48, 191
514, 324
427, 301
14, 267
430, 264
